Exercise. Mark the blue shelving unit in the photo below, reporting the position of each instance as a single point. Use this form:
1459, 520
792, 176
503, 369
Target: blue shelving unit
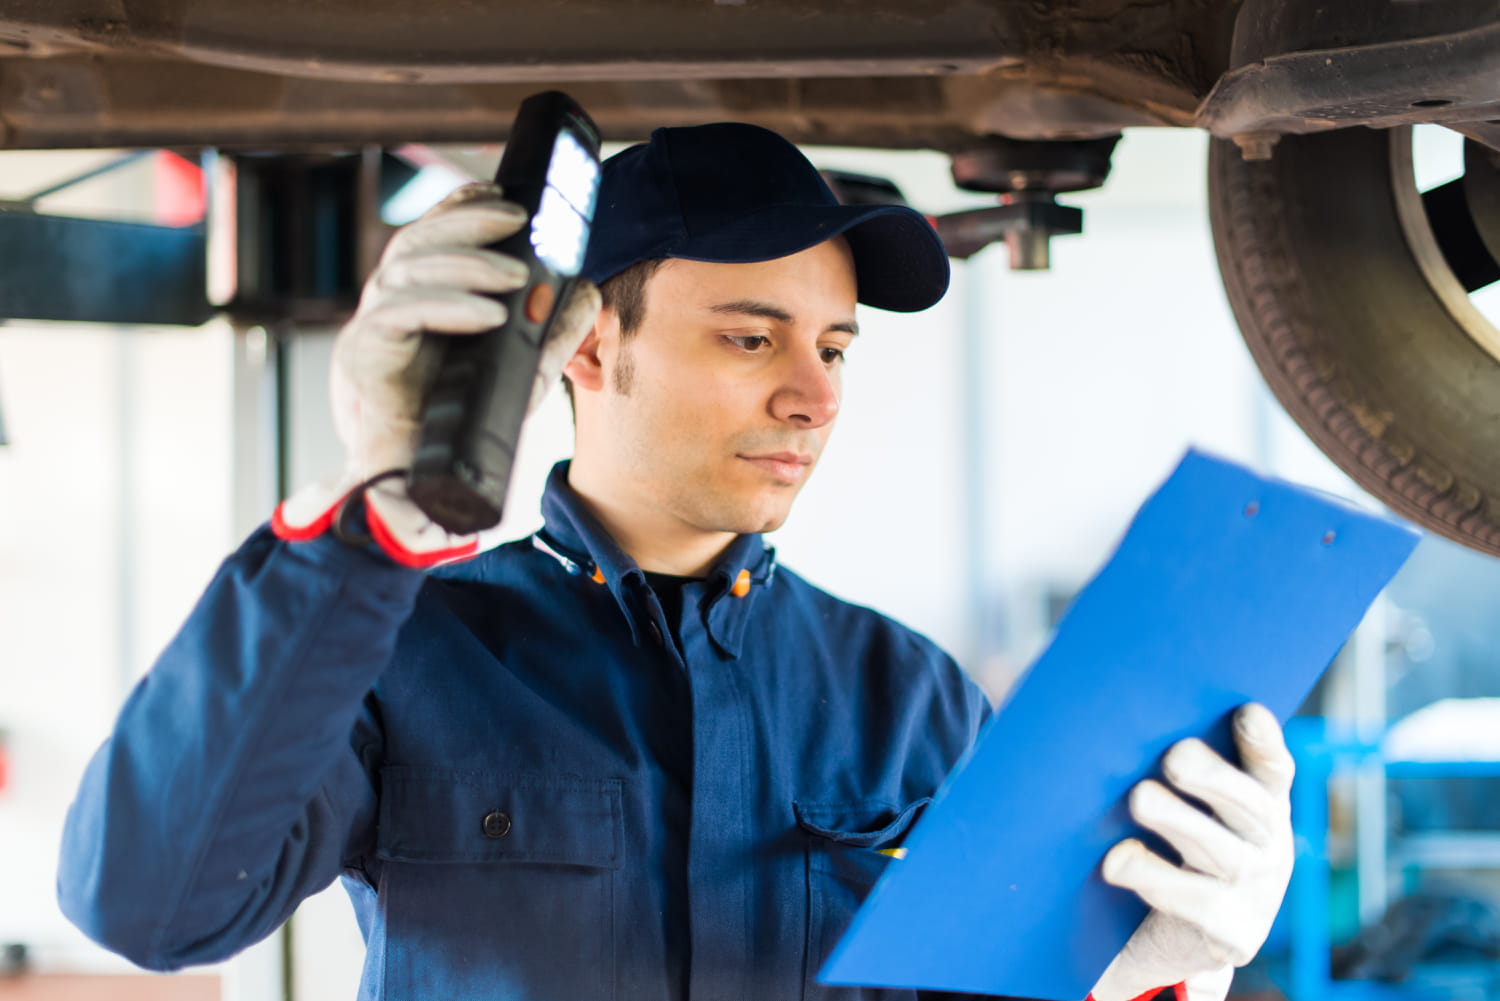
1320, 753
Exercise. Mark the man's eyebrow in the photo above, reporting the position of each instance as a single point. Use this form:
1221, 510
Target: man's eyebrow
766, 310
752, 307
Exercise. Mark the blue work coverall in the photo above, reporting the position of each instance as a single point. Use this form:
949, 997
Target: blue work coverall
532, 784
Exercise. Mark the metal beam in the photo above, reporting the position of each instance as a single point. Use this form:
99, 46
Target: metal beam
458, 41
1445, 78
285, 74
120, 100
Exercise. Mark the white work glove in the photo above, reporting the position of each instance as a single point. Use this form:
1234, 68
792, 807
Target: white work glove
1212, 913
432, 277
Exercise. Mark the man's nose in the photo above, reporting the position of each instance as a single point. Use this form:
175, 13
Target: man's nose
809, 396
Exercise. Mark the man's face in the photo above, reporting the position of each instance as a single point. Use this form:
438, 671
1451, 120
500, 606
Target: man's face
715, 411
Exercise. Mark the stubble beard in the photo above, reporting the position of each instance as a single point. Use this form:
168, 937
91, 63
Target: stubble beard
622, 378
711, 510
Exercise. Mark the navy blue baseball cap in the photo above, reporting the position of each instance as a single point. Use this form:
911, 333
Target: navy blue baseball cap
733, 193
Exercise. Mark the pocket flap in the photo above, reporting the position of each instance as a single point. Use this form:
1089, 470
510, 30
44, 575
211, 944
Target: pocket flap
867, 824
450, 815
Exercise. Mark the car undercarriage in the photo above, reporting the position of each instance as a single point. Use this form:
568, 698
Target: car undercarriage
1351, 285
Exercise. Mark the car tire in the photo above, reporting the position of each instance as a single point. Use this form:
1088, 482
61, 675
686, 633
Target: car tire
1360, 327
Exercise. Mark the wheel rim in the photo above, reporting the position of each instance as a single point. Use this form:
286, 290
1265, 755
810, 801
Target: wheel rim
1422, 237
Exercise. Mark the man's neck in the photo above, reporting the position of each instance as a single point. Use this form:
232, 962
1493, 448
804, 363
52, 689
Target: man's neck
657, 541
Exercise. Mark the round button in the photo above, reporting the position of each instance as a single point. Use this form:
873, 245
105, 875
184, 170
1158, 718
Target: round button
539, 302
496, 824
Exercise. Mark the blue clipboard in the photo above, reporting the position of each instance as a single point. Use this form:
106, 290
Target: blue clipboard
1228, 588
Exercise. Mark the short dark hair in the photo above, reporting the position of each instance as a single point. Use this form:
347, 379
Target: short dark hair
625, 293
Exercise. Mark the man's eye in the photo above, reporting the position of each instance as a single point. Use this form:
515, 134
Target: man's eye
832, 356
748, 342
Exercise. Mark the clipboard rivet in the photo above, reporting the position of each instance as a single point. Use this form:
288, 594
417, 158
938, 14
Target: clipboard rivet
1252, 509
1328, 538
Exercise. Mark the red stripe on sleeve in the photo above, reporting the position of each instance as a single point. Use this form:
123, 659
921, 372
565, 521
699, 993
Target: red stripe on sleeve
1180, 990
312, 530
396, 551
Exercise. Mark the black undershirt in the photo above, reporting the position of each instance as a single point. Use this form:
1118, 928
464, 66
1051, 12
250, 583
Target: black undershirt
679, 769
668, 590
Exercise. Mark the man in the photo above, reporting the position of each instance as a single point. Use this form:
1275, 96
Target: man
630, 757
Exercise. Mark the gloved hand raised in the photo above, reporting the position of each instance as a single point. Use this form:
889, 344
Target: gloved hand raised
435, 276
1213, 912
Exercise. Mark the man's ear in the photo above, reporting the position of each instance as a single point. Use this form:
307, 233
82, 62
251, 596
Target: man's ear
585, 370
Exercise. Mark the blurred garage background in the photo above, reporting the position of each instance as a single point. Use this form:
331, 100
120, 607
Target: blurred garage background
996, 445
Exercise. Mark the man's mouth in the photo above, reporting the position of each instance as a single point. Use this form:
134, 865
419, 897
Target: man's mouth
788, 466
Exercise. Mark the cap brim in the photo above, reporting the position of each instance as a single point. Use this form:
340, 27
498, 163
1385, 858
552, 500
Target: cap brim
900, 263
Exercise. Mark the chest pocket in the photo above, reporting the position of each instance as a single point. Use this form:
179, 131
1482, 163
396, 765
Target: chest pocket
497, 885
844, 844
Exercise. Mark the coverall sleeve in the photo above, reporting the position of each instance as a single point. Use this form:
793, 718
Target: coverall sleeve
235, 782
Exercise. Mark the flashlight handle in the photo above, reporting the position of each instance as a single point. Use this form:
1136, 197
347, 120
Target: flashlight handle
474, 410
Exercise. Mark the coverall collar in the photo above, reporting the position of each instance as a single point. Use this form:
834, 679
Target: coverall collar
572, 535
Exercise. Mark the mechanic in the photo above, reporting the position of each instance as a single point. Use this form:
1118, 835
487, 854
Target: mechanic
630, 756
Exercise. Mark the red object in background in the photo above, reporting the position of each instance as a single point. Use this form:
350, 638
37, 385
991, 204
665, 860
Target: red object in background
4, 763
179, 195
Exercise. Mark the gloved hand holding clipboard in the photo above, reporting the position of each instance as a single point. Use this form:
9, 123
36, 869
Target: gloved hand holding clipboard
1228, 589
